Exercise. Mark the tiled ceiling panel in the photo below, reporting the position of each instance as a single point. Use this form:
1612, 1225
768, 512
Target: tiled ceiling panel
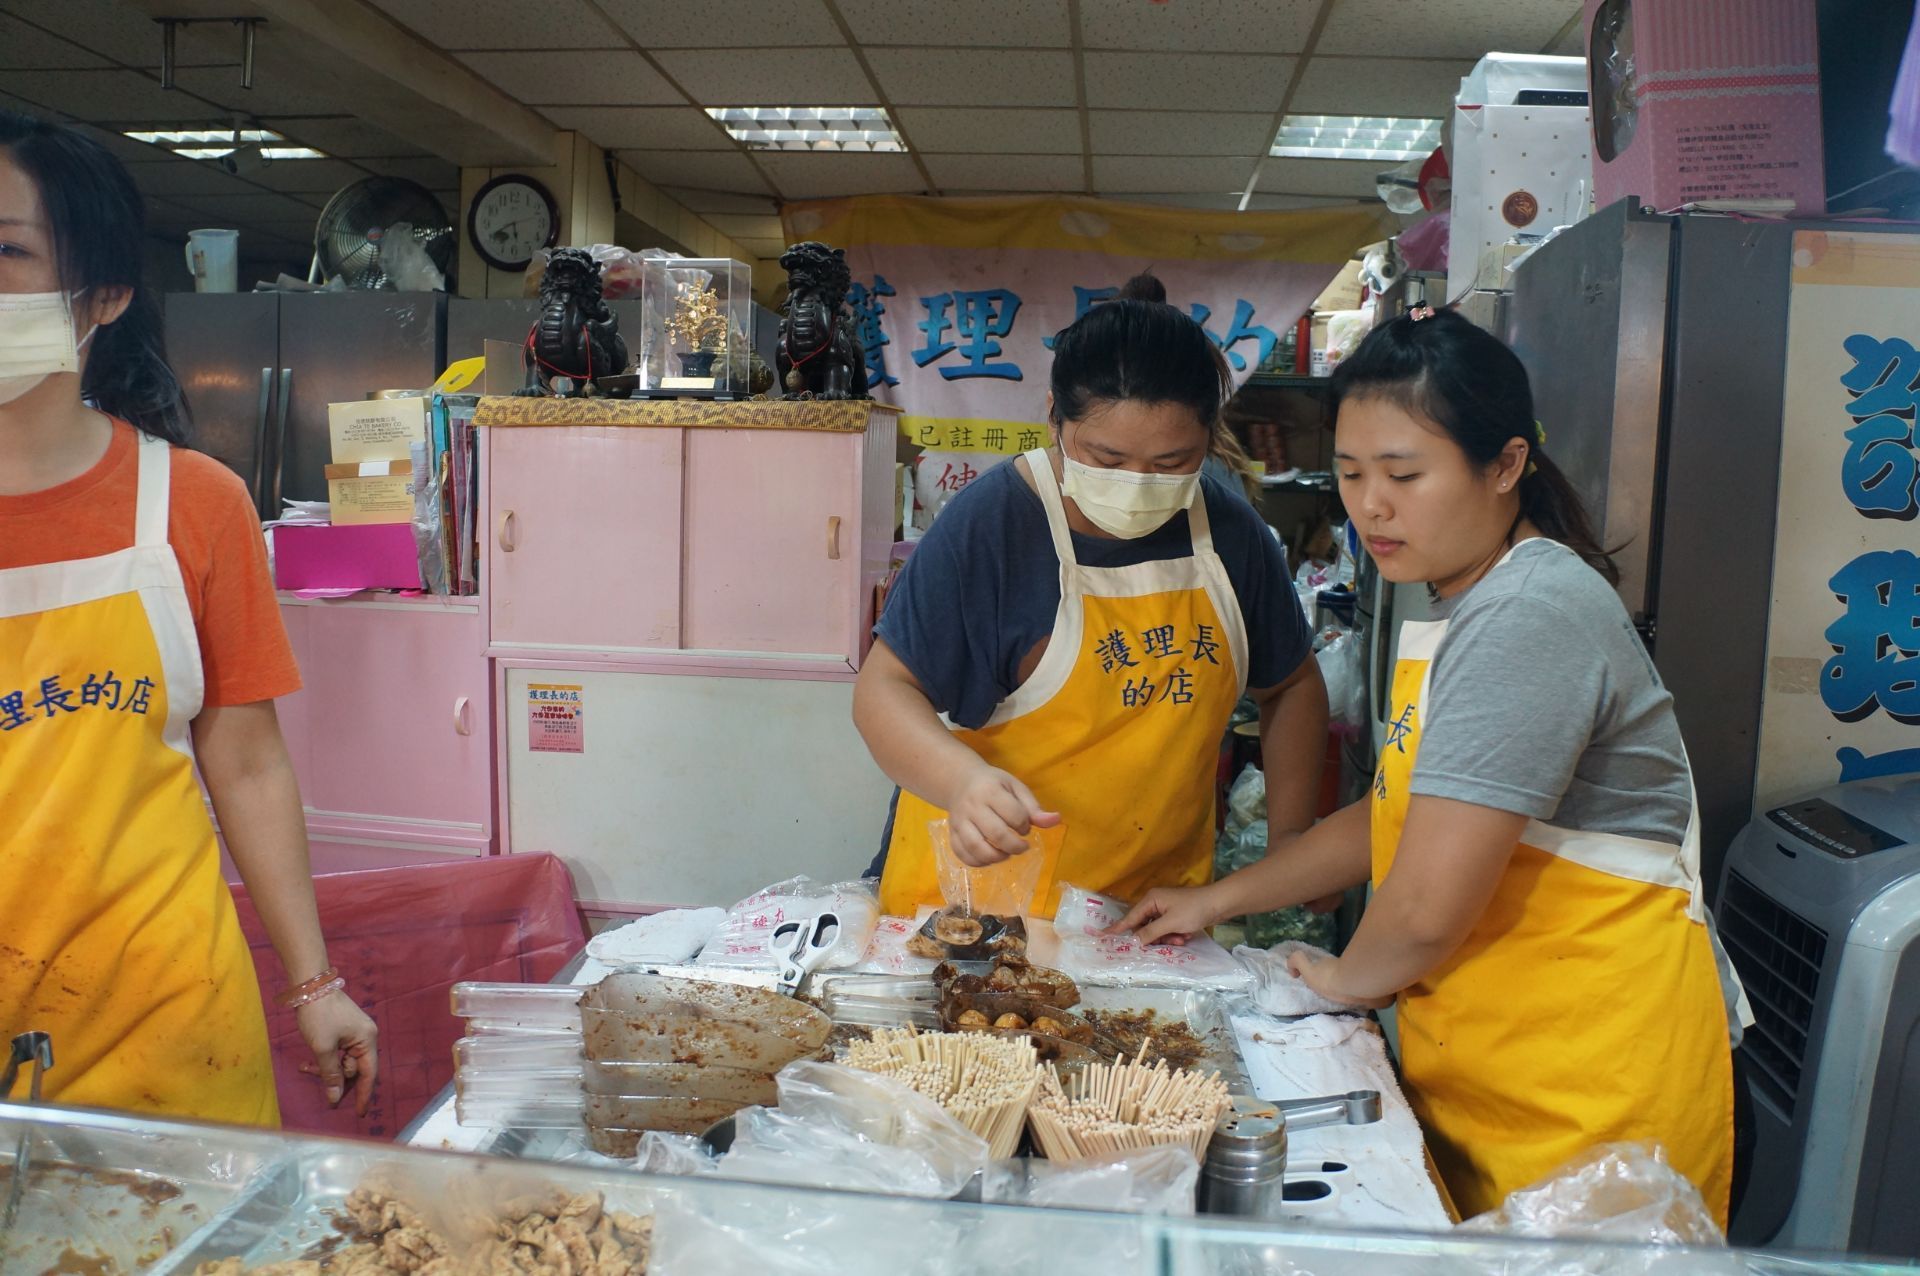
1322, 177
1219, 26
120, 97
1379, 86
586, 77
800, 175
312, 176
427, 171
110, 28
641, 127
712, 201
793, 77
1444, 28
270, 94
1120, 174
999, 23
25, 47
349, 139
982, 130
968, 77
503, 24
751, 24
1007, 172
260, 206
1187, 81
173, 177
1180, 133
710, 170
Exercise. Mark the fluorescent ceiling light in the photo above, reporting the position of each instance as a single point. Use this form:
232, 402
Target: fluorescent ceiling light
809, 128
1361, 137
213, 143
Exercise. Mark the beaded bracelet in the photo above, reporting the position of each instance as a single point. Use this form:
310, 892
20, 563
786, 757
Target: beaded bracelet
324, 984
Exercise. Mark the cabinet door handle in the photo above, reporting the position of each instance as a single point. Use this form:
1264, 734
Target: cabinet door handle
833, 537
505, 534
462, 718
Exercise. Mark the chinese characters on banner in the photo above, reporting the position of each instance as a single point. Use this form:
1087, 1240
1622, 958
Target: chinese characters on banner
1843, 644
956, 302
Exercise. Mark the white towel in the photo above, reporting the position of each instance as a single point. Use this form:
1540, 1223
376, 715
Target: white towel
1276, 990
660, 939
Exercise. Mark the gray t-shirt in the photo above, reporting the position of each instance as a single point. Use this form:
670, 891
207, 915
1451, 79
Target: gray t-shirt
1543, 701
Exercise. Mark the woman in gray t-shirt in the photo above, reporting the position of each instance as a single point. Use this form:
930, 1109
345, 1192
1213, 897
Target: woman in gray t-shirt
1530, 834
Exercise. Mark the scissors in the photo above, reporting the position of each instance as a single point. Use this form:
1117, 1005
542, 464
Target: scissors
802, 947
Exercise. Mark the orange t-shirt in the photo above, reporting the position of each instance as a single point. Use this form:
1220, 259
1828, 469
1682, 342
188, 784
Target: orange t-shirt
215, 534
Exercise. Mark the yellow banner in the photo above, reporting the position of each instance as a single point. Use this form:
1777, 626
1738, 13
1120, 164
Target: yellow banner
972, 434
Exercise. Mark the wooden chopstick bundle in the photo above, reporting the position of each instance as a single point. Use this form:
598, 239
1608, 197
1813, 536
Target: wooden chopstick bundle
985, 1083
1117, 1107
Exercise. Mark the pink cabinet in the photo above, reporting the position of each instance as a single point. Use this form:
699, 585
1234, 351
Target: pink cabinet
583, 537
616, 535
391, 736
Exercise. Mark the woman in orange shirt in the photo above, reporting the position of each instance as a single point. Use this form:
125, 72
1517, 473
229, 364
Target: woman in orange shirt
139, 635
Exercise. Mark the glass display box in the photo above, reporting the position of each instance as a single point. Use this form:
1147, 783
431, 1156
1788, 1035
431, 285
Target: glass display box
696, 333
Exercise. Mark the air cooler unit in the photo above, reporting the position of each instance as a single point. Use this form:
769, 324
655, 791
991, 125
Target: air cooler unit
1820, 910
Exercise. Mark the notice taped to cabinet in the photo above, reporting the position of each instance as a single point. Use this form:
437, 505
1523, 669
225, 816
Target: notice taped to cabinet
555, 721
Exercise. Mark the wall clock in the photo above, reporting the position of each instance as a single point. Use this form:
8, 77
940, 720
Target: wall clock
511, 218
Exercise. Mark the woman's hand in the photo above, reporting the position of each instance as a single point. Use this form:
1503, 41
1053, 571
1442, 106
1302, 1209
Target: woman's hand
342, 1039
1322, 974
990, 816
1171, 914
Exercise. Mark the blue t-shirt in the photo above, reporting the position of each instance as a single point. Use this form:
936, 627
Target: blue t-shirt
983, 586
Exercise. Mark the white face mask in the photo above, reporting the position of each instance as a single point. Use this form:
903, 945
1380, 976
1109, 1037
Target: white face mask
36, 340
1125, 504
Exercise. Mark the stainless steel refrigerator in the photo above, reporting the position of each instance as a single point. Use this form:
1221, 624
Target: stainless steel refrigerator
259, 370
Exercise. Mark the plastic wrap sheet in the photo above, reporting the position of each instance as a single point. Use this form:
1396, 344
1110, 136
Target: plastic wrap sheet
1091, 955
403, 937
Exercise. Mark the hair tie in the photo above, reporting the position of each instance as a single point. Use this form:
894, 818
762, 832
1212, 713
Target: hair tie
1420, 312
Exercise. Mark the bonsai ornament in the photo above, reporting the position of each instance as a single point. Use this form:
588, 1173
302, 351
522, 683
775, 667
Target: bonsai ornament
699, 324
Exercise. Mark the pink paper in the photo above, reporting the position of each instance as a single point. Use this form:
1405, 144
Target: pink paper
324, 557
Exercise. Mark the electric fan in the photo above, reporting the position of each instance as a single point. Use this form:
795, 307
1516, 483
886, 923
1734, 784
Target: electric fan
349, 238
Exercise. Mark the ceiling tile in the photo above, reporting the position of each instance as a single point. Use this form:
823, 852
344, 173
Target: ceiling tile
1007, 172
765, 226
25, 47
270, 95
966, 77
1272, 26
800, 175
115, 96
1000, 23
792, 77
322, 176
176, 176
709, 170
593, 77
1187, 81
1444, 28
975, 130
1218, 202
349, 139
1119, 174
1180, 132
259, 206
502, 24
425, 170
1322, 176
1280, 203
765, 24
709, 201
642, 127
1231, 202
1379, 86
126, 149
110, 28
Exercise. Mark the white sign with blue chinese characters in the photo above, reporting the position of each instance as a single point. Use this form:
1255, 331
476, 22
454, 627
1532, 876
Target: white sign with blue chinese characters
1843, 640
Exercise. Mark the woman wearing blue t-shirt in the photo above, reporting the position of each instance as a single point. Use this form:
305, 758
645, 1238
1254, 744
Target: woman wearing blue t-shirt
1086, 618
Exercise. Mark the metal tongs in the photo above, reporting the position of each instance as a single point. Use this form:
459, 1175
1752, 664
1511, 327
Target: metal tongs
33, 1050
802, 947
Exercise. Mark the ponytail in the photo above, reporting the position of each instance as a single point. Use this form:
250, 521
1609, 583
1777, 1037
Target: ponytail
99, 232
1550, 503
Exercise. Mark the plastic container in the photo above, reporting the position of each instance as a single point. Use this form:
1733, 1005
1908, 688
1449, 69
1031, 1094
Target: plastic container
527, 1007
618, 1116
517, 1052
213, 258
1004, 889
678, 1081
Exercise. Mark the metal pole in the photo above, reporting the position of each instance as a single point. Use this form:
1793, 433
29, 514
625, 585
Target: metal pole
167, 26
249, 26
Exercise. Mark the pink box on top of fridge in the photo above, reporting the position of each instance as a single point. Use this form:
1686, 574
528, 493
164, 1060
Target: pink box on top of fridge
1696, 101
338, 557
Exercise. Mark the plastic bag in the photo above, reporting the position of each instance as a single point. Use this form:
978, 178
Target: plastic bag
620, 270
1247, 800
660, 939
1155, 1180
1624, 1192
859, 1131
678, 1154
1345, 330
806, 1233
1276, 990
743, 939
1086, 952
1343, 666
1005, 887
405, 259
429, 533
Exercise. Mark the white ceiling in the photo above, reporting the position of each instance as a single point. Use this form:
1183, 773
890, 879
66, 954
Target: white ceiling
1173, 101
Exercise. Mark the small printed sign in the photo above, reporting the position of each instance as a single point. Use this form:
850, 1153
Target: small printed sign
554, 718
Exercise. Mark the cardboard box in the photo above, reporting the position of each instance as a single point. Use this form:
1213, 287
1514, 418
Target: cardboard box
371, 556
376, 429
1722, 102
363, 492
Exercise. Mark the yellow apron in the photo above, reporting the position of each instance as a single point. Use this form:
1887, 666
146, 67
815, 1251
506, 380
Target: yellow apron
1118, 728
117, 933
1583, 1008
